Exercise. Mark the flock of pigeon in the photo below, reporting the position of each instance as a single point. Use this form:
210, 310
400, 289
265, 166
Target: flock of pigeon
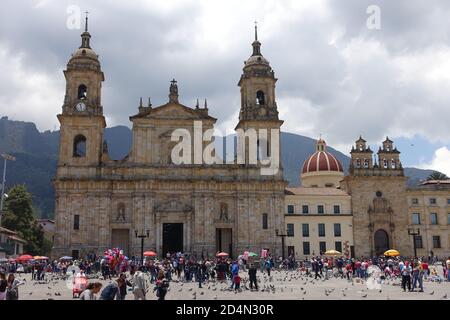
280, 285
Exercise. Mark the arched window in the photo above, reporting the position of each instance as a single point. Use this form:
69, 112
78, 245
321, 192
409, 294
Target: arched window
260, 99
393, 164
366, 163
385, 163
358, 163
79, 146
82, 92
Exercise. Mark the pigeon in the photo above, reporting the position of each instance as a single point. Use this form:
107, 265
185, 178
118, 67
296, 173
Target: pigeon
215, 297
202, 293
326, 292
190, 289
444, 296
365, 296
431, 293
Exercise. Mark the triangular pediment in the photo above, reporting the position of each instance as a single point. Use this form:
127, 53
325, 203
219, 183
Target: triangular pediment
174, 111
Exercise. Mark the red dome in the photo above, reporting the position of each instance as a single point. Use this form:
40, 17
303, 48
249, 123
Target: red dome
321, 161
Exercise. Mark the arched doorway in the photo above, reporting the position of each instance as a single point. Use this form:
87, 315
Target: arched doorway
381, 240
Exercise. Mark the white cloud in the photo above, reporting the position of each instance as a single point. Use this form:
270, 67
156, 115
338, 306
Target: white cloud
440, 161
336, 77
29, 95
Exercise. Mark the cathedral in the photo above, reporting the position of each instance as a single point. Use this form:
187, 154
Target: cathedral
202, 207
196, 208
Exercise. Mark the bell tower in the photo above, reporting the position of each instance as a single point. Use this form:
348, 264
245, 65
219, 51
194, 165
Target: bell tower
258, 105
82, 121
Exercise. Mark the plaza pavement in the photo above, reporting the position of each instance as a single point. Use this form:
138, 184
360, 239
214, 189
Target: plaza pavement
284, 285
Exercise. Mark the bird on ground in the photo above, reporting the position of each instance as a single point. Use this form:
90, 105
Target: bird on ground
431, 293
444, 296
364, 296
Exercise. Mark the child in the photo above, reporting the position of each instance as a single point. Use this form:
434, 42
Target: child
237, 283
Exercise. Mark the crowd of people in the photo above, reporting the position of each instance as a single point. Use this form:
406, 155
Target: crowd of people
156, 275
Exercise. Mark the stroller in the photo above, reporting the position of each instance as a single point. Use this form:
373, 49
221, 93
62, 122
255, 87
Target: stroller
80, 284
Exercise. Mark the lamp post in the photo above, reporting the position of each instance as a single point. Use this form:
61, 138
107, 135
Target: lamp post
414, 232
142, 236
282, 235
10, 158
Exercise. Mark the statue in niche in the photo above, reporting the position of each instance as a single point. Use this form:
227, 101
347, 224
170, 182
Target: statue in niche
121, 213
223, 212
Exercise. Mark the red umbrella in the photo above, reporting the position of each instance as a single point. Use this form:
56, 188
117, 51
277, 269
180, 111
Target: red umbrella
222, 254
25, 257
150, 254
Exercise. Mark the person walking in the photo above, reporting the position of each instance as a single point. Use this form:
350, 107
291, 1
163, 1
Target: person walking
199, 274
252, 277
406, 276
91, 291
161, 287
315, 267
139, 284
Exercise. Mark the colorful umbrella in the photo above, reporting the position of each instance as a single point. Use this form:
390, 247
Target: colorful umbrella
222, 254
252, 254
332, 253
24, 257
392, 253
150, 254
66, 258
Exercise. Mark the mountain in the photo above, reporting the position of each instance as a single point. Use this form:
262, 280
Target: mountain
37, 152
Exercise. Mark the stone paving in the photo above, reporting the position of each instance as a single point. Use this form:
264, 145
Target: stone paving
283, 285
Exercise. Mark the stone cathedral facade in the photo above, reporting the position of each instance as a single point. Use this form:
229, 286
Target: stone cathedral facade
196, 208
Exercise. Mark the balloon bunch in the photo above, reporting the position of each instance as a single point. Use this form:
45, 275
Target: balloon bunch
114, 256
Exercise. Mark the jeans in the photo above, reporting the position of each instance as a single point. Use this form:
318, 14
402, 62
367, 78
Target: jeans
406, 280
418, 279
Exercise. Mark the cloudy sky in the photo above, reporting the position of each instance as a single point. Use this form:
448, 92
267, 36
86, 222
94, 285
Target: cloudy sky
337, 76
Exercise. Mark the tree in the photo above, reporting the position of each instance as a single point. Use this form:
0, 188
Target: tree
436, 175
19, 217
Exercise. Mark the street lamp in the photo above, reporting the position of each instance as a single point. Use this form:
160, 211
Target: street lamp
282, 235
10, 158
142, 237
414, 232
